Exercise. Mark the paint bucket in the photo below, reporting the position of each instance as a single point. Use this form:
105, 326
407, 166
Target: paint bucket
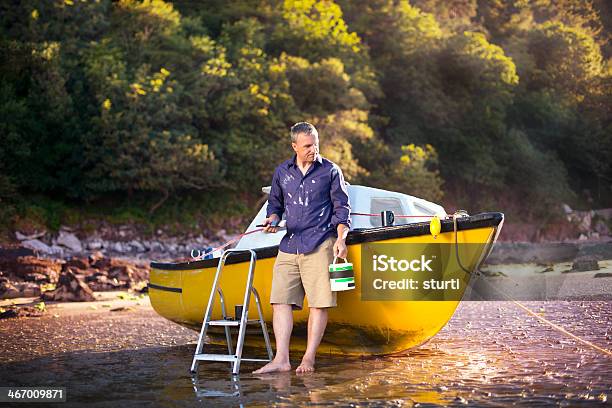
341, 276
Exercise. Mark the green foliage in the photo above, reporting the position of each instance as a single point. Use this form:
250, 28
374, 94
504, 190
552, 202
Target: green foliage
319, 22
323, 87
166, 101
344, 131
148, 144
411, 172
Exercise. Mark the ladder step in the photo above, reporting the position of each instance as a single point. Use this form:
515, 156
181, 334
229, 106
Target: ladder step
264, 360
225, 322
215, 357
225, 357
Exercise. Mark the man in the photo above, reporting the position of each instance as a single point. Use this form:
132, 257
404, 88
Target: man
311, 192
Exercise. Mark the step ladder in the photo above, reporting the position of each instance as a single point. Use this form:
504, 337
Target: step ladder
233, 358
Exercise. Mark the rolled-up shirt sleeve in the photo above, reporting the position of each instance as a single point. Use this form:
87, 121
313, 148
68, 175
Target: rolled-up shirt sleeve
340, 199
276, 203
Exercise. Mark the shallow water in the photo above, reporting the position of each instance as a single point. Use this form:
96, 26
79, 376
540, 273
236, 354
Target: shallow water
490, 354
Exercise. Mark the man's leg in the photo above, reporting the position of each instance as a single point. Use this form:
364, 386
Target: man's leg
287, 291
317, 321
282, 321
315, 278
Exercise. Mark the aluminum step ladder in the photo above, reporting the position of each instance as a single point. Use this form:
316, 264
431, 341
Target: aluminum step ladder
233, 358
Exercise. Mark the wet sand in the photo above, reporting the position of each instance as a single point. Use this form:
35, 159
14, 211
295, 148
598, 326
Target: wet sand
490, 354
109, 324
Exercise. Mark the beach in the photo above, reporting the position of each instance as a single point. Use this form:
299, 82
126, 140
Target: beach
117, 350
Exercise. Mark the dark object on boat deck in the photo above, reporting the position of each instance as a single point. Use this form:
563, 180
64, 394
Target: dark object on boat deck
387, 218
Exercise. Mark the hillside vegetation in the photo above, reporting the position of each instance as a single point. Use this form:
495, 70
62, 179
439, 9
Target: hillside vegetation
172, 112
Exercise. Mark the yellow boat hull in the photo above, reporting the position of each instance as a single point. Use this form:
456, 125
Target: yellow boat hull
354, 327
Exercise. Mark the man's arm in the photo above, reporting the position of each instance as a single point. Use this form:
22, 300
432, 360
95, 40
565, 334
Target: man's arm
276, 204
341, 216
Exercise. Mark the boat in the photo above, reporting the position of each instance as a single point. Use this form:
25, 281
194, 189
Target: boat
366, 321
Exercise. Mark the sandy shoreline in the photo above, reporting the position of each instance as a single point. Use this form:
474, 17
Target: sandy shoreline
107, 324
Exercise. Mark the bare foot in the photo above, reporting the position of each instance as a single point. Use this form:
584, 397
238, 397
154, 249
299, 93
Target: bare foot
307, 366
274, 367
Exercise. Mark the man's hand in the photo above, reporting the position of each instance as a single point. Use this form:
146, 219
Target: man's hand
340, 248
273, 219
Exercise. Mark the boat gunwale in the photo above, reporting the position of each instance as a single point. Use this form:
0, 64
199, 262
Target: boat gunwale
482, 220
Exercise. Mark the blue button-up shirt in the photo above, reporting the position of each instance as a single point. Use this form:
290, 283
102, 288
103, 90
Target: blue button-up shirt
314, 204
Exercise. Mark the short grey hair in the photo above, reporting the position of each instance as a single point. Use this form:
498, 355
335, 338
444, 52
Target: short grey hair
303, 127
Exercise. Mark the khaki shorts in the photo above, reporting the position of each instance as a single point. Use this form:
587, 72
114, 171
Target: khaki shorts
299, 274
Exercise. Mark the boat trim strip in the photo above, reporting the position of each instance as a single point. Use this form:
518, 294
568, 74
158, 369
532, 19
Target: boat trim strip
166, 288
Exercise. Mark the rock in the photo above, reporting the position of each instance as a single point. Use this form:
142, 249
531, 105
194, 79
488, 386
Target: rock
585, 264
28, 289
70, 241
70, 289
122, 309
80, 263
581, 219
95, 257
36, 277
603, 275
566, 208
57, 250
140, 273
26, 265
37, 246
11, 254
8, 291
602, 228
105, 263
95, 244
21, 311
157, 246
23, 237
100, 283
14, 290
123, 273
10, 313
137, 246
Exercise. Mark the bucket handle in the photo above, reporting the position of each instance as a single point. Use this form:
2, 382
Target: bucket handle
335, 257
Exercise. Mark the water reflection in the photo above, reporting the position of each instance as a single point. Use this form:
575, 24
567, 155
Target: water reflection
229, 388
